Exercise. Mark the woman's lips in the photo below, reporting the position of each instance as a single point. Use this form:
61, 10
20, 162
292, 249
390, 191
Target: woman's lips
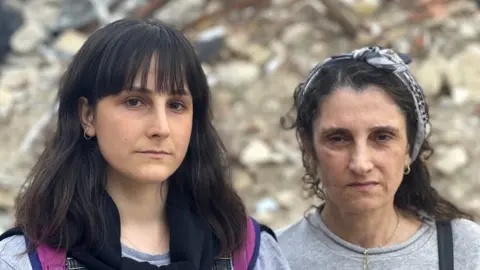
154, 154
364, 185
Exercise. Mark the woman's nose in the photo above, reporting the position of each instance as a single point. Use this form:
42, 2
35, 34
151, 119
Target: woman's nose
160, 126
360, 160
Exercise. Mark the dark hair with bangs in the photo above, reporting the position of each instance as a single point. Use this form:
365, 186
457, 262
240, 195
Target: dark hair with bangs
61, 204
415, 194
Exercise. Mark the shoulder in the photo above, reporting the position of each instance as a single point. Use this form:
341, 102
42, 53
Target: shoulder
290, 229
466, 228
13, 254
268, 243
13, 246
466, 243
466, 234
296, 233
270, 255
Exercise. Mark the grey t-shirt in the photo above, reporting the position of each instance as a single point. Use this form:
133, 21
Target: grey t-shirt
269, 257
316, 247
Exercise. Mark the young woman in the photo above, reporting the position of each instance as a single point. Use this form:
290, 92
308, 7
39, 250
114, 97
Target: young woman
361, 119
136, 176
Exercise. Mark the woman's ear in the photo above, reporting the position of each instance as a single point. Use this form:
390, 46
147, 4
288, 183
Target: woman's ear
408, 159
86, 117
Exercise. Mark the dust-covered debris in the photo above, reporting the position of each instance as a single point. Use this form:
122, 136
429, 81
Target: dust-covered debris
255, 53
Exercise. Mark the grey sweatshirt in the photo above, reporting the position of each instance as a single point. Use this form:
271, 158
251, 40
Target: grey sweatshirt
270, 256
312, 246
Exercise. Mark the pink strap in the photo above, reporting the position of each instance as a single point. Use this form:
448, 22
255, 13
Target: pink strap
242, 257
51, 259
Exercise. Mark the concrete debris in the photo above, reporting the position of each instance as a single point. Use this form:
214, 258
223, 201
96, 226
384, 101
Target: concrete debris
254, 54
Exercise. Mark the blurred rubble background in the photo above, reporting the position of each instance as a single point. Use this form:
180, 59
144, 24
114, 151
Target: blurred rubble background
254, 52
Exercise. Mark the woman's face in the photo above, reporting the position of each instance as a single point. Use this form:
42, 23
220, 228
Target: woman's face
142, 134
360, 142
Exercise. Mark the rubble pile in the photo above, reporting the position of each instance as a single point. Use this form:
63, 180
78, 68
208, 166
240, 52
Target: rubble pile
254, 53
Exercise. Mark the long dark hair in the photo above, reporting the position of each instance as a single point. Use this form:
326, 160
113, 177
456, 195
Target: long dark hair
61, 204
415, 194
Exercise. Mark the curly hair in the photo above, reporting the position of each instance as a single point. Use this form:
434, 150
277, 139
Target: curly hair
415, 194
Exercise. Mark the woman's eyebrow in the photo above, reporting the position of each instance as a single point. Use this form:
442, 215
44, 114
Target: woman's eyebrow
332, 130
387, 128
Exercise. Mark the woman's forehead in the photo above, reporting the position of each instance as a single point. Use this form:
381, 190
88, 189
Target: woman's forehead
353, 109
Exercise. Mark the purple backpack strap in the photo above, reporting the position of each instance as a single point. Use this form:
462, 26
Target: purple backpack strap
246, 257
47, 258
52, 259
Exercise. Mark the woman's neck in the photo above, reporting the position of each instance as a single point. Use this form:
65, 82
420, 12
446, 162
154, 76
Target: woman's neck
370, 229
142, 215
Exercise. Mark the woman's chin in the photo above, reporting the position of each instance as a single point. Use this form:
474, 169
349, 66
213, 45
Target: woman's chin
157, 178
152, 176
363, 205
153, 173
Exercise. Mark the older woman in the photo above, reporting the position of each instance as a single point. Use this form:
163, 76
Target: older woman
360, 120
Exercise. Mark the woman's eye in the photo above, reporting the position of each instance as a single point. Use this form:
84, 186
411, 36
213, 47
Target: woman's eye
177, 106
383, 137
337, 139
134, 102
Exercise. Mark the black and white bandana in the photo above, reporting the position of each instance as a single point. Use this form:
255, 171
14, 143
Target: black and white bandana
391, 61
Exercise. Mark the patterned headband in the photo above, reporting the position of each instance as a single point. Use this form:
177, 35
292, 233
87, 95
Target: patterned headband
388, 60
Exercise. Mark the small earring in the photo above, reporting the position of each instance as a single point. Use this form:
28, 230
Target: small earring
407, 170
86, 136
85, 133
